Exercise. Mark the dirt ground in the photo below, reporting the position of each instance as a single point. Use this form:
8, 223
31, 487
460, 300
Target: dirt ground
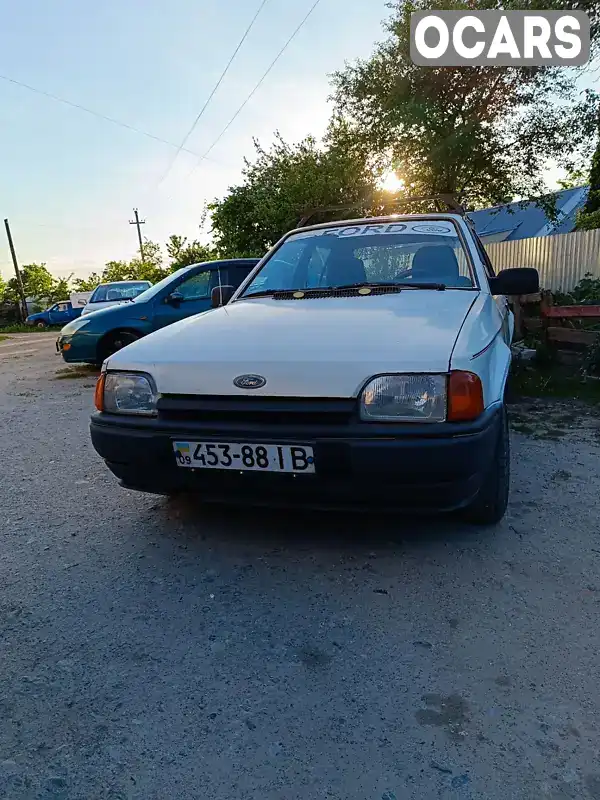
154, 650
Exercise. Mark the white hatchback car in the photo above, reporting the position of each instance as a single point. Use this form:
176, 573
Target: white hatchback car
362, 362
111, 294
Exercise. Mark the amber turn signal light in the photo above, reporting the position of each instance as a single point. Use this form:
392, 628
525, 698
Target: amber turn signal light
99, 393
465, 396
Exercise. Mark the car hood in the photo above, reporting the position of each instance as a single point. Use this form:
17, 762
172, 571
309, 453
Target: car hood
110, 315
304, 348
91, 308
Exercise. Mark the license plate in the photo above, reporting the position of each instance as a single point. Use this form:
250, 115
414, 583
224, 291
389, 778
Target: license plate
243, 456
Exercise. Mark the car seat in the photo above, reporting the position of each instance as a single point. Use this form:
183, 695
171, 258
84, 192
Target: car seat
437, 264
342, 270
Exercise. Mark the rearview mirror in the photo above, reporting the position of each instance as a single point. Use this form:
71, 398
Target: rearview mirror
174, 299
221, 295
521, 280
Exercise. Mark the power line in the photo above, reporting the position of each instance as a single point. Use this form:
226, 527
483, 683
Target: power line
104, 117
214, 91
253, 92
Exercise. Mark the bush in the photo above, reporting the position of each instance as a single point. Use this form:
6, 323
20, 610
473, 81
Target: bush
586, 292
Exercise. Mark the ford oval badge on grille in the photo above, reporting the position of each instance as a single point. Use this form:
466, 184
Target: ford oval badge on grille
249, 381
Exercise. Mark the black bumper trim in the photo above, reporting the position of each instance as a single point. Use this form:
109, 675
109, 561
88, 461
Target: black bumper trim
425, 466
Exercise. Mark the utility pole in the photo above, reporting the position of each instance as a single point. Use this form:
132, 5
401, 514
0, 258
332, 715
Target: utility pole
137, 222
23, 303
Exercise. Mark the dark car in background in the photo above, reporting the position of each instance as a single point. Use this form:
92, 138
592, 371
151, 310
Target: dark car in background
93, 337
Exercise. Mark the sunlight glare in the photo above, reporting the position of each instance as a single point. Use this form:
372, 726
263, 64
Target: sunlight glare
390, 182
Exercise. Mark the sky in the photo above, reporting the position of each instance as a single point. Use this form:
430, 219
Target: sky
69, 181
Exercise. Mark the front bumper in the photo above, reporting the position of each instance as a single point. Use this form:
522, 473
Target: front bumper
77, 348
419, 467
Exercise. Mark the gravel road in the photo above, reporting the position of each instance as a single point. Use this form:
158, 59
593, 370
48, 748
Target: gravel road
153, 650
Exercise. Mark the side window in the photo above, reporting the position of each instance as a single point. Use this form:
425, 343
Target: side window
279, 271
237, 274
62, 307
195, 287
484, 257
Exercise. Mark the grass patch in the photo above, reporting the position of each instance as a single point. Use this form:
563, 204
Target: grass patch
553, 381
2, 338
29, 329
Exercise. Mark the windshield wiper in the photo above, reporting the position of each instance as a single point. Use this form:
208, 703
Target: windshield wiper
358, 285
439, 286
263, 293
382, 285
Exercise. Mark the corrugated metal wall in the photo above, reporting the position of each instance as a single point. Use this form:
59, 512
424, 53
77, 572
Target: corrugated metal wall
561, 260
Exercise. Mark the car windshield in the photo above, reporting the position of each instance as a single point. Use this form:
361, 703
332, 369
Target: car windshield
158, 287
420, 254
108, 292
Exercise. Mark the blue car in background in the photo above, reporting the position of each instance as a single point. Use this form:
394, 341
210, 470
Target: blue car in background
94, 337
58, 314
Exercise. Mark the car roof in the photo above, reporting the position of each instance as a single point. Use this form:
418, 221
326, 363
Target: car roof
389, 218
223, 262
117, 283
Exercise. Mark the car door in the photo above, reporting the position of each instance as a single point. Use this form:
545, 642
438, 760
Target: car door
192, 296
59, 314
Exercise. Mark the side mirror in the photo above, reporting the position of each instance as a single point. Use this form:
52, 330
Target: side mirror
521, 280
174, 299
221, 295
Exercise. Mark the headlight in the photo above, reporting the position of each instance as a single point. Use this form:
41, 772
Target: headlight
78, 323
126, 393
405, 398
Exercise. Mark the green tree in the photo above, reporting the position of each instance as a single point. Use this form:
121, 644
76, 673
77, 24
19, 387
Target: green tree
484, 134
577, 177
150, 269
61, 289
589, 217
38, 284
183, 254
87, 284
284, 183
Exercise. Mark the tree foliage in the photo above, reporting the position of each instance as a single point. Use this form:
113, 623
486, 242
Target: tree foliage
183, 253
285, 182
484, 134
589, 217
38, 284
87, 284
180, 252
42, 287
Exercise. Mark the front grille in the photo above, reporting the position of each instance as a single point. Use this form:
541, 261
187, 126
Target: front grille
256, 410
